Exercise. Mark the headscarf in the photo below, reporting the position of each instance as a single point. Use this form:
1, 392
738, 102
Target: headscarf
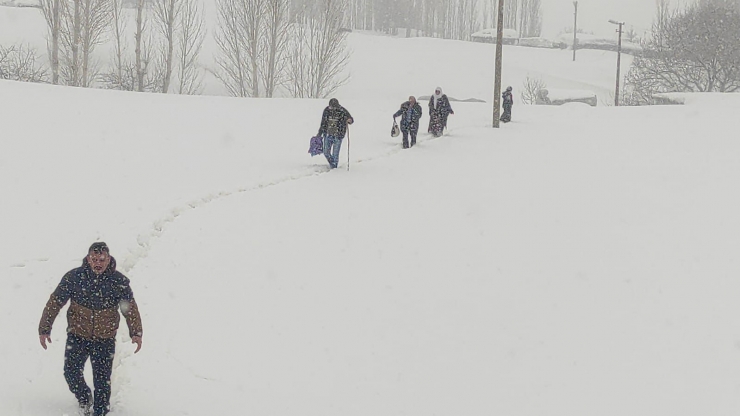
437, 95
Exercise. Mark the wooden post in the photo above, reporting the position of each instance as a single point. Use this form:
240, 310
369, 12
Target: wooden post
619, 56
575, 30
499, 55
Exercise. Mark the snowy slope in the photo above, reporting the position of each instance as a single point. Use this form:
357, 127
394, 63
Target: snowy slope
576, 261
386, 67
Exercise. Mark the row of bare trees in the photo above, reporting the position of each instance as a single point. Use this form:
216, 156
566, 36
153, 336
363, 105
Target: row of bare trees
268, 45
450, 19
75, 28
167, 36
265, 47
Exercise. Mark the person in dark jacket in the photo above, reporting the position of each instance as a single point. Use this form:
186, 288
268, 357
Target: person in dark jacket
439, 110
334, 124
95, 291
410, 114
507, 103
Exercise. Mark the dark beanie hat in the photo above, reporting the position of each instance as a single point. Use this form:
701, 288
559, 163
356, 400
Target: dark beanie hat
333, 102
98, 247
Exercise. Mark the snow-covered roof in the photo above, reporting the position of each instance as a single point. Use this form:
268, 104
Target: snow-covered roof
599, 42
540, 42
555, 94
20, 3
491, 33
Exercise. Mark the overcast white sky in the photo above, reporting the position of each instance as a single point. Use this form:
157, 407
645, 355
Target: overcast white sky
593, 15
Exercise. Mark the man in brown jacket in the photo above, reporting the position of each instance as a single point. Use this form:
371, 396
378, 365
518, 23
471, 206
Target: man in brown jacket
96, 291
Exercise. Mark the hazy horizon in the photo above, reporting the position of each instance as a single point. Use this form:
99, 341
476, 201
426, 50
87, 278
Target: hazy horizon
594, 15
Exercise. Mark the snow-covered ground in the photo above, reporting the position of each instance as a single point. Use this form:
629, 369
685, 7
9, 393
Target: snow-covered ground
578, 260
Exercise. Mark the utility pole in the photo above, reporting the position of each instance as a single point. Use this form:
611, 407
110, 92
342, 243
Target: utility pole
575, 30
499, 54
619, 56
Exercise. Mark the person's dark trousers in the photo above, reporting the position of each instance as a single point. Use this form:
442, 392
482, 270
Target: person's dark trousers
506, 117
406, 134
332, 144
100, 352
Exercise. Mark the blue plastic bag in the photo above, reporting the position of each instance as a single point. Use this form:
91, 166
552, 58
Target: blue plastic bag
317, 146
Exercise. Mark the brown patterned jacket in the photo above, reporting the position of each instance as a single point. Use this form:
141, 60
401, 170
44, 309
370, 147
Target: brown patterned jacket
94, 303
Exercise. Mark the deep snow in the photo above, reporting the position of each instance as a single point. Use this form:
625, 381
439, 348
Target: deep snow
576, 261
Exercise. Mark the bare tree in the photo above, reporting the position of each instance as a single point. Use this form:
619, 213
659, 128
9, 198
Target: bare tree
463, 18
52, 10
167, 17
491, 13
238, 39
70, 35
663, 14
319, 52
472, 19
251, 17
511, 13
275, 44
530, 18
191, 36
435, 16
230, 69
119, 27
82, 26
96, 19
532, 89
231, 62
142, 51
21, 63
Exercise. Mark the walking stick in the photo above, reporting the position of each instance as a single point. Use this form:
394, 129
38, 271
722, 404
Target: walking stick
348, 147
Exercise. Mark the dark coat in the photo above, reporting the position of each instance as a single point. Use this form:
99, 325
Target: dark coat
508, 102
508, 98
95, 300
407, 125
443, 106
338, 115
438, 115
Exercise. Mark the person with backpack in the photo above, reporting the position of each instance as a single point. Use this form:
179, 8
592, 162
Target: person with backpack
411, 113
508, 103
334, 122
96, 292
439, 110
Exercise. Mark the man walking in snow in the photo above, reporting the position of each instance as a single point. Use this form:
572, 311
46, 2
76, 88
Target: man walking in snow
411, 113
334, 124
96, 292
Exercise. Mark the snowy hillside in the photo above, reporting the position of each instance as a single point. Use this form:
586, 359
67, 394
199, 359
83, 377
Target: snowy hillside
398, 67
578, 260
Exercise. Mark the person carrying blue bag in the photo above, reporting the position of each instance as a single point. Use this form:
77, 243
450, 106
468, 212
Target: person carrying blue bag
334, 122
